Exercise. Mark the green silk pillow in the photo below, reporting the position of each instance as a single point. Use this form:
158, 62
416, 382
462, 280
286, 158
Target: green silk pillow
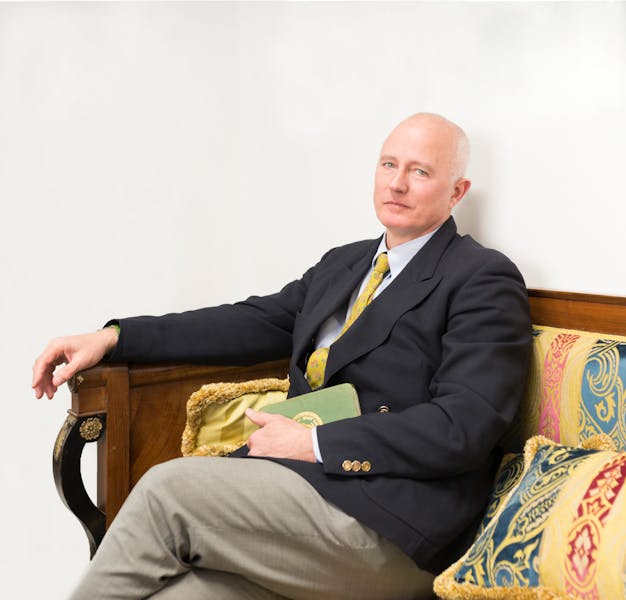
560, 533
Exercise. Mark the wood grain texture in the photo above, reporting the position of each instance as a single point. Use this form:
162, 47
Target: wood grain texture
116, 442
589, 312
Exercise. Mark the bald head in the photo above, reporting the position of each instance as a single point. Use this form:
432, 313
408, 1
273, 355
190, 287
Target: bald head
420, 176
450, 135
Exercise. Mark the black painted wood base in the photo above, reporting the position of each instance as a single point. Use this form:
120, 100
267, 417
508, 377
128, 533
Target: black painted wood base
68, 449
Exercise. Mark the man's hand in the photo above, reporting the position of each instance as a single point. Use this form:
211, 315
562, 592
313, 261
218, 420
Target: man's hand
78, 351
279, 437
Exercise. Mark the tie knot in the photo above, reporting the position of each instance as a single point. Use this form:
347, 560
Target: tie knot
382, 264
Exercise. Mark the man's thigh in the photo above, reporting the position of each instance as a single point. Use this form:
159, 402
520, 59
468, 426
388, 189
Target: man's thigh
264, 522
255, 519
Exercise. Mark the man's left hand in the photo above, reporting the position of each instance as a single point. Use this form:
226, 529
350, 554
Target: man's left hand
279, 437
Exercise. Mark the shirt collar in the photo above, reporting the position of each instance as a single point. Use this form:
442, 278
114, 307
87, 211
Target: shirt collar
400, 256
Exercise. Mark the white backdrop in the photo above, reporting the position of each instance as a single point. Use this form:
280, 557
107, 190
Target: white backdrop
157, 157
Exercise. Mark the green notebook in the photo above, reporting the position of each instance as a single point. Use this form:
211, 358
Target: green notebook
321, 406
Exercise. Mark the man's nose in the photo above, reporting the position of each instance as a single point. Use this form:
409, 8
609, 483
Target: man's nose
399, 182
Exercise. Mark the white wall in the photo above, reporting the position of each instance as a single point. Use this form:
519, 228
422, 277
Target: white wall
155, 157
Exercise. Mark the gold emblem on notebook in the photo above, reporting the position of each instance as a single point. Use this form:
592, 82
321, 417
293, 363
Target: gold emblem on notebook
309, 419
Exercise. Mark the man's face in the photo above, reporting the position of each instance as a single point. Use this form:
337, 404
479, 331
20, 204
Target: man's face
414, 187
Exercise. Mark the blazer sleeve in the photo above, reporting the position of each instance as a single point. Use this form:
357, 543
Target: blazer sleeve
473, 395
254, 330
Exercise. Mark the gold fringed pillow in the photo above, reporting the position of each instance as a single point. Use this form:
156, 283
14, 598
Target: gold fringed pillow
560, 534
216, 423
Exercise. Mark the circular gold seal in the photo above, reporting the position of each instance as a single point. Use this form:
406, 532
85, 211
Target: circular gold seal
308, 419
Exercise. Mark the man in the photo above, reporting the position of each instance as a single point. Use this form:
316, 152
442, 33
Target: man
431, 328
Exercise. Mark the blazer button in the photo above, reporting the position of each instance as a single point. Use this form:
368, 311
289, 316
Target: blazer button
383, 409
346, 465
366, 466
356, 465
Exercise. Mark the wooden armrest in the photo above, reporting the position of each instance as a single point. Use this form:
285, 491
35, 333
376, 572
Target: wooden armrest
136, 413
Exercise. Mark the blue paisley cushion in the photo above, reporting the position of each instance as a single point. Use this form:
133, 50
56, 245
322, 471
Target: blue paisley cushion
509, 473
558, 534
576, 388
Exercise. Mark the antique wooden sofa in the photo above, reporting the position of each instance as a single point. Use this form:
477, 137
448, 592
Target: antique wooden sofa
136, 413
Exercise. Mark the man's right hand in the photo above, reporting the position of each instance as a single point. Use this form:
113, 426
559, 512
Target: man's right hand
77, 351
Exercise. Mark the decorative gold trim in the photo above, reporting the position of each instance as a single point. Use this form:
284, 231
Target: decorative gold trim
215, 449
74, 381
90, 429
69, 422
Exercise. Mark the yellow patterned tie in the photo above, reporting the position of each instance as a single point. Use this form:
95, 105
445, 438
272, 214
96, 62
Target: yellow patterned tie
316, 366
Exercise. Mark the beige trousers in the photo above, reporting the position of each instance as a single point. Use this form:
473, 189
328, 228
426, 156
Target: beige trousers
222, 528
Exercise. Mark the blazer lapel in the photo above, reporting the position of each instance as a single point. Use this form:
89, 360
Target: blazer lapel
409, 289
343, 280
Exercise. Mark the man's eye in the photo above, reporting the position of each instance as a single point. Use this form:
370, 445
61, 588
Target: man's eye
421, 172
387, 165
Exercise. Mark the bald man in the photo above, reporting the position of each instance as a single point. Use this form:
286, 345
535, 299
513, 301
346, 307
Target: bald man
433, 331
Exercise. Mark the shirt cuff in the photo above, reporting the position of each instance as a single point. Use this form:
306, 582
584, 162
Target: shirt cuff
316, 446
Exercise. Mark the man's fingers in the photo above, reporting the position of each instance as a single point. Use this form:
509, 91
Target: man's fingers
256, 417
39, 371
42, 378
62, 374
260, 418
60, 377
45, 364
282, 438
44, 385
45, 380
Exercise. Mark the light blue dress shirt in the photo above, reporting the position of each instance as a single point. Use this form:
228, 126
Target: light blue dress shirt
399, 257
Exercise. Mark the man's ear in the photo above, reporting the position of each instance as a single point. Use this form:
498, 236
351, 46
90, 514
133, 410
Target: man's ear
461, 188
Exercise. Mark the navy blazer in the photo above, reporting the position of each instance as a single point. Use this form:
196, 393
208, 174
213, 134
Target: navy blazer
444, 347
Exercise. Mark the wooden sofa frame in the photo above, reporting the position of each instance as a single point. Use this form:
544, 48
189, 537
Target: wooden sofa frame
136, 413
